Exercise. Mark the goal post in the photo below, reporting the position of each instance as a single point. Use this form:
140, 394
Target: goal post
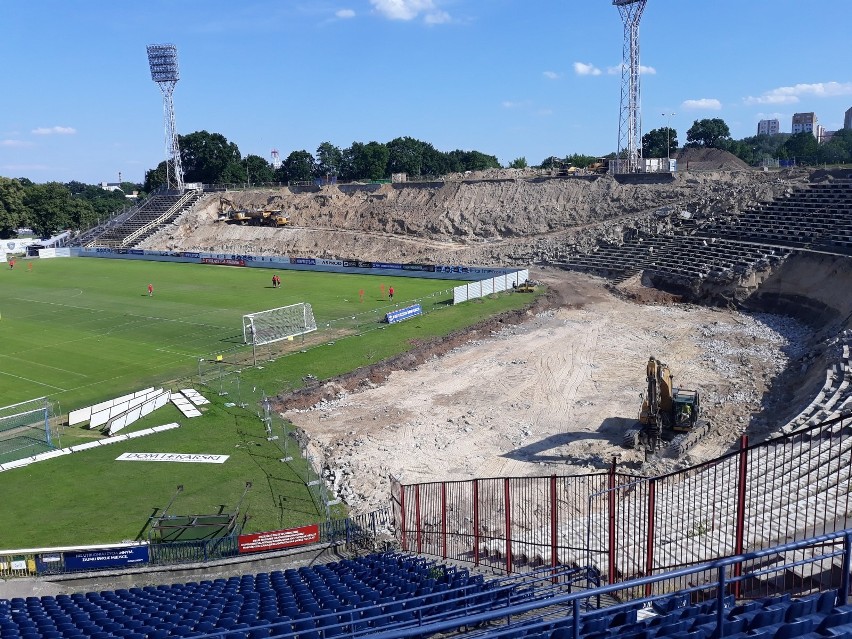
25, 428
276, 324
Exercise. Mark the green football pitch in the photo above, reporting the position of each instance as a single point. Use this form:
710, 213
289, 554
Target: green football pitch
84, 330
81, 330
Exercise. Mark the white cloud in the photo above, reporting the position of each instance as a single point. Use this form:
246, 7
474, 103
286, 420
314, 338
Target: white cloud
15, 143
581, 68
551, 75
510, 104
344, 14
411, 9
55, 130
791, 95
643, 70
437, 17
705, 104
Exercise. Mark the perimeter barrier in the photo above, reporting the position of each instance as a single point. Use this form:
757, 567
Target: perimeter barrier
791, 487
360, 531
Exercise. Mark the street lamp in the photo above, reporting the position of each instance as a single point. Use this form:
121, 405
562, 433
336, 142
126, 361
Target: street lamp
668, 117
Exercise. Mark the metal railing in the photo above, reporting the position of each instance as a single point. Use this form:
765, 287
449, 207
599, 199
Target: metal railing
788, 488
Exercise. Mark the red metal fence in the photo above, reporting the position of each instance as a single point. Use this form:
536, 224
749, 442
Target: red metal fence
788, 488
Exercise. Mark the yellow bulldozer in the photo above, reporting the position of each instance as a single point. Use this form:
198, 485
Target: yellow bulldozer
669, 417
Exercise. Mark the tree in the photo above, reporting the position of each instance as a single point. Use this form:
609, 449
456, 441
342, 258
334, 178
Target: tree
518, 163
838, 150
405, 155
50, 207
259, 170
802, 147
435, 162
205, 156
474, 160
155, 178
659, 143
299, 166
367, 161
12, 210
709, 132
329, 160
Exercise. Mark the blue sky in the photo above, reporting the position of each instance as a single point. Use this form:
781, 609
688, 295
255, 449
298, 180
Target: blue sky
511, 78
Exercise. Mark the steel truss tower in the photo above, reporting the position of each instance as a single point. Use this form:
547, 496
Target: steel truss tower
164, 71
630, 121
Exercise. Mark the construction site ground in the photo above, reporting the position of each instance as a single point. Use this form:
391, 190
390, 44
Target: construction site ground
552, 394
553, 390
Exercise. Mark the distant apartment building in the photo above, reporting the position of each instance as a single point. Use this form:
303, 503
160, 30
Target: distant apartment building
847, 121
768, 127
806, 123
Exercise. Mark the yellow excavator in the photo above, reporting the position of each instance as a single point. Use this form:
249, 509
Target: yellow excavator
669, 417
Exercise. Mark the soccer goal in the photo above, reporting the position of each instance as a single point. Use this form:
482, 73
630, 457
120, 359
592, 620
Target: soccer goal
25, 429
266, 327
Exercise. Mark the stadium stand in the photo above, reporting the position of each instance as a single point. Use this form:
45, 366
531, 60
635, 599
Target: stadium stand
142, 221
394, 595
815, 218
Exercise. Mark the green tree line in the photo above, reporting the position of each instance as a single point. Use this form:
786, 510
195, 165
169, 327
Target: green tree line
53, 206
210, 158
714, 133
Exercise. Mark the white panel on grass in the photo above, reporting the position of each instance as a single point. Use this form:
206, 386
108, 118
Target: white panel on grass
113, 440
140, 433
18, 463
162, 400
147, 407
143, 392
134, 415
118, 409
171, 426
79, 416
78, 447
116, 424
194, 396
99, 419
48, 455
185, 406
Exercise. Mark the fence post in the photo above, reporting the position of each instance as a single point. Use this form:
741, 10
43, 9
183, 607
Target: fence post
649, 558
741, 499
611, 522
843, 595
444, 519
507, 504
402, 539
553, 519
417, 518
475, 522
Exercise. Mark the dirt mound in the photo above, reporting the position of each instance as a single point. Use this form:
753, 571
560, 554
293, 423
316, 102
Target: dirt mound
504, 220
709, 160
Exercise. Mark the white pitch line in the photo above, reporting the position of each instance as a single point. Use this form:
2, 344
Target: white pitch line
29, 362
166, 350
32, 381
101, 310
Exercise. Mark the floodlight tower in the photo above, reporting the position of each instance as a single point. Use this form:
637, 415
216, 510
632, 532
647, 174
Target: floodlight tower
164, 71
630, 122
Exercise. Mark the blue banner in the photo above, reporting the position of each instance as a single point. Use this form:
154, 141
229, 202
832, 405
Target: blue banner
403, 314
105, 558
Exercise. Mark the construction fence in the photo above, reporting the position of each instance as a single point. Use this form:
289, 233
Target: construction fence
792, 487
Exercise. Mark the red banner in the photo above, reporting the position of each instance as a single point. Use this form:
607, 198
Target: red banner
276, 539
222, 262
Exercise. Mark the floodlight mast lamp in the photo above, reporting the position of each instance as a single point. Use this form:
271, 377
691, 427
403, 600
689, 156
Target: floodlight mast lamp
630, 121
163, 61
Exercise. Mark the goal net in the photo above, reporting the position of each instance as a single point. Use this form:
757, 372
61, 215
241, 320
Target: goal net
25, 429
276, 324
